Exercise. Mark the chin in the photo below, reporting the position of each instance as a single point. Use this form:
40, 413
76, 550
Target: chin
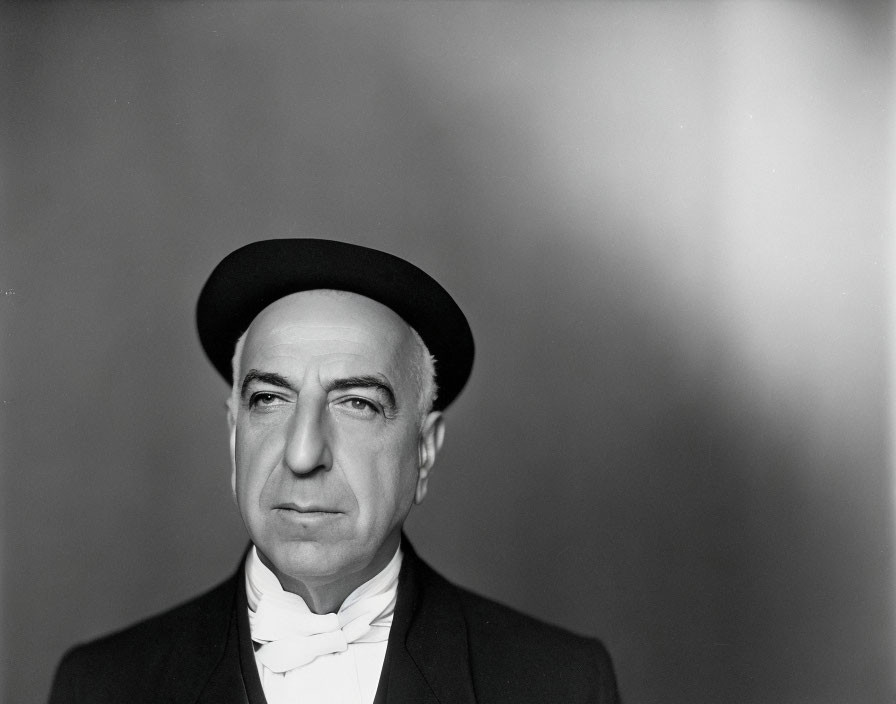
305, 559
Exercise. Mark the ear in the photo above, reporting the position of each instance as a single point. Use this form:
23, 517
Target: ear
432, 434
231, 424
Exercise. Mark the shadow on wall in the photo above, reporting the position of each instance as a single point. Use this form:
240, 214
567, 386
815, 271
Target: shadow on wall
626, 482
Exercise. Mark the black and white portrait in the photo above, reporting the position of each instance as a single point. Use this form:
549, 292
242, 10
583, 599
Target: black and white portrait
669, 228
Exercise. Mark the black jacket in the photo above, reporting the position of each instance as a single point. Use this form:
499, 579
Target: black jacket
446, 645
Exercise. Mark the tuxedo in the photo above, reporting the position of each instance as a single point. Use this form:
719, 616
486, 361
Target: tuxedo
447, 646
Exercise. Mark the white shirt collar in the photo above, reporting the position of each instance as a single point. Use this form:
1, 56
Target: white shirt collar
348, 677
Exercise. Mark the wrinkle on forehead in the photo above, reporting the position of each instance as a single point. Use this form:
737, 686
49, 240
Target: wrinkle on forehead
313, 323
349, 334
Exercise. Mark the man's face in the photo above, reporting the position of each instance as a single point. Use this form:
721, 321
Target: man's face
327, 448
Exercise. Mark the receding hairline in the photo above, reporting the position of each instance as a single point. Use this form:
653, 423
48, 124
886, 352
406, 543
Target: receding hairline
422, 365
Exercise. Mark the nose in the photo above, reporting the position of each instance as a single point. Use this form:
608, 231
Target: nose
307, 448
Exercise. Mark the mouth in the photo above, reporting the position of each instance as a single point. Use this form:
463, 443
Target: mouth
306, 509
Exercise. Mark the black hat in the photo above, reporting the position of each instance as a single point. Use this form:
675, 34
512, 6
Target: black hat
254, 276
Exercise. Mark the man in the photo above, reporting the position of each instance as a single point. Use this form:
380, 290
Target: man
342, 359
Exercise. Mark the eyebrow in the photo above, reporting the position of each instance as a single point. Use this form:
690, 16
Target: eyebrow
376, 382
271, 378
367, 381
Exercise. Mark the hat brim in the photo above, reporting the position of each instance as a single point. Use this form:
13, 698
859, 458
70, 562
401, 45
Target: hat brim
254, 276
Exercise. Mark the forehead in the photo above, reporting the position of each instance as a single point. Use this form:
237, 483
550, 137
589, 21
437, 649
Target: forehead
324, 321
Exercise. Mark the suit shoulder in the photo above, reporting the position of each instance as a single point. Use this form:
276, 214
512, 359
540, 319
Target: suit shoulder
134, 657
499, 618
516, 657
493, 621
180, 621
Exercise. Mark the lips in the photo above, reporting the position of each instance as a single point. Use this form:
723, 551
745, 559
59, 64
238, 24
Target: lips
306, 508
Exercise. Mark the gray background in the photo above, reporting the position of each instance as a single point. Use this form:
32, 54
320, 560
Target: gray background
668, 223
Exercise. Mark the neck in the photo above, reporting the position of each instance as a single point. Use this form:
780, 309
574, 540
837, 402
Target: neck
323, 595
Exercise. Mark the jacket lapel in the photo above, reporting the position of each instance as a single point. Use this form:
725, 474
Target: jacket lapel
225, 684
200, 659
235, 680
427, 658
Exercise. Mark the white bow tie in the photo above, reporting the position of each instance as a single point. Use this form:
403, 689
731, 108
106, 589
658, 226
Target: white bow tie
291, 636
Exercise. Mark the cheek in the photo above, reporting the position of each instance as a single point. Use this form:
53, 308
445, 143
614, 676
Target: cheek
381, 474
255, 454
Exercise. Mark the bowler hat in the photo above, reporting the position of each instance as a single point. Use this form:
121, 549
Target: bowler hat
252, 277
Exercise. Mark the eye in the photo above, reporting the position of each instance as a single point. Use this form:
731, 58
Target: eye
359, 407
265, 399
